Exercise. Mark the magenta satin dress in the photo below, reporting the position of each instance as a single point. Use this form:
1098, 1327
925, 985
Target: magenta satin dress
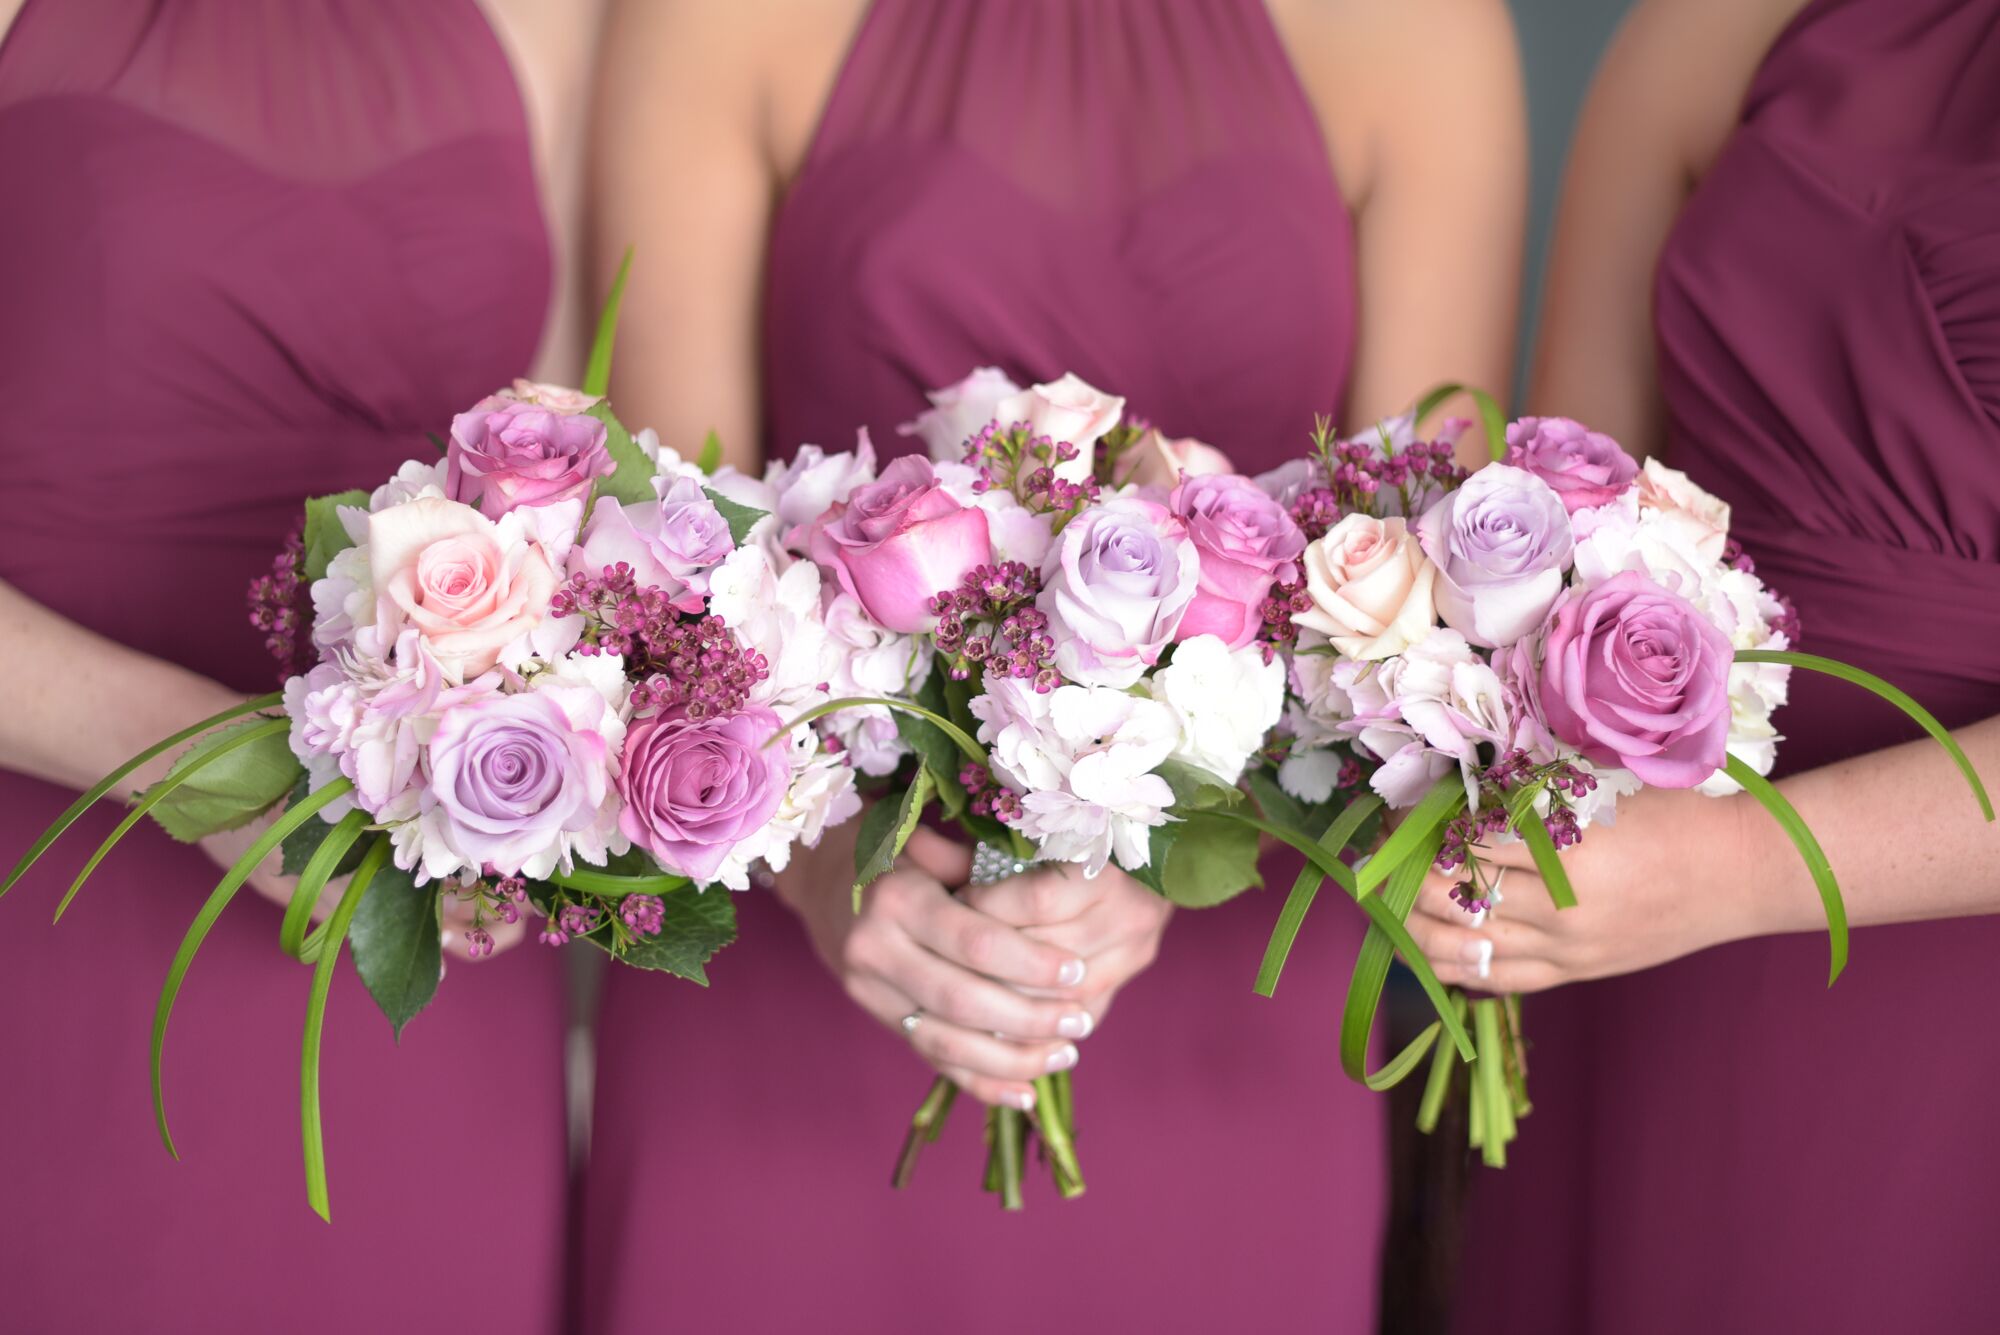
250, 252
1136, 192
1723, 1144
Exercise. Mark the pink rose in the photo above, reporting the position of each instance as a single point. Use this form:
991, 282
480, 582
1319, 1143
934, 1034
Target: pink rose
1155, 461
1635, 676
1585, 468
1115, 588
899, 541
468, 586
1247, 543
1371, 585
1699, 517
694, 789
812, 481
506, 453
959, 412
671, 544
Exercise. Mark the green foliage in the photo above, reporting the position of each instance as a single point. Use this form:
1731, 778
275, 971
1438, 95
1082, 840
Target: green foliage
710, 457
322, 987
882, 836
396, 945
1195, 789
698, 924
597, 371
226, 780
1337, 834
325, 536
298, 850
1815, 858
631, 482
1209, 861
1490, 417
740, 518
936, 752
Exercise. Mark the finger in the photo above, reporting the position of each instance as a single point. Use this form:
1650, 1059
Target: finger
988, 946
966, 999
947, 1045
999, 1093
1513, 854
1472, 950
1522, 897
946, 860
879, 999
1505, 976
1039, 898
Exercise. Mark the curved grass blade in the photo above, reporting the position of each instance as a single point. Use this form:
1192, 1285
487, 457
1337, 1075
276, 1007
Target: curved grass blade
597, 371
312, 881
960, 738
1794, 825
322, 986
147, 800
1444, 1061
1534, 833
1387, 938
1490, 417
98, 790
1394, 1071
1489, 1073
1306, 888
197, 932
611, 885
1870, 682
1439, 805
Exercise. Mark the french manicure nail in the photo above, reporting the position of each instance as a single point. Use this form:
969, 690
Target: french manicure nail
1483, 964
1077, 1024
1024, 1099
1479, 918
1071, 973
1062, 1058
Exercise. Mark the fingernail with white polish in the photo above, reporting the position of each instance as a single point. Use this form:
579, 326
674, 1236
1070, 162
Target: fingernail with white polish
1071, 973
1062, 1058
1077, 1024
1479, 918
1481, 958
1024, 1099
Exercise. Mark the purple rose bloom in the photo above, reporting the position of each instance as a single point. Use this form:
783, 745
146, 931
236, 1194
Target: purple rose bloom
1115, 587
898, 542
1633, 675
671, 543
512, 775
505, 454
693, 789
1501, 543
1586, 468
1247, 543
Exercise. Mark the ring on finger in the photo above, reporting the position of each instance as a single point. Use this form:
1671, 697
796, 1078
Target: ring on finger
908, 1024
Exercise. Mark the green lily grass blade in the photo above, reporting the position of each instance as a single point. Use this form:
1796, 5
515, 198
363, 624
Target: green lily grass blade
147, 800
1397, 1068
197, 932
1490, 417
104, 785
1327, 864
1439, 805
1386, 938
609, 885
960, 738
1869, 681
1444, 1061
1816, 862
597, 371
312, 881
1306, 888
322, 986
1490, 1074
1534, 833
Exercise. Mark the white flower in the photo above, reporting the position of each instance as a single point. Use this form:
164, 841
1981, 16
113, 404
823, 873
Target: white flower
1068, 409
958, 412
870, 660
776, 612
1224, 701
812, 481
1311, 774
412, 480
821, 795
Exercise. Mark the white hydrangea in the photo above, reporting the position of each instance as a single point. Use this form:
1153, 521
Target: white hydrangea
1224, 702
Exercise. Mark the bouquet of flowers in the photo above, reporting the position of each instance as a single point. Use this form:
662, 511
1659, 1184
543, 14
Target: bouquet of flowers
546, 671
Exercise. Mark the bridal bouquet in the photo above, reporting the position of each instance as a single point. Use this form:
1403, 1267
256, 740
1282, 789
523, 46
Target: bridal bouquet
545, 672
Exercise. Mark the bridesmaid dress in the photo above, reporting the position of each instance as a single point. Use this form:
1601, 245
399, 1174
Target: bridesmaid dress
239, 269
1143, 198
1723, 1143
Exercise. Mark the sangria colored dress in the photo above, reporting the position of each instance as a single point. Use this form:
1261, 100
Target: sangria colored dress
250, 252
1723, 1143
1137, 192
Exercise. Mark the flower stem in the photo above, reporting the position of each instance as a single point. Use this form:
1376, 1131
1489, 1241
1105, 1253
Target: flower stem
924, 1128
1009, 1128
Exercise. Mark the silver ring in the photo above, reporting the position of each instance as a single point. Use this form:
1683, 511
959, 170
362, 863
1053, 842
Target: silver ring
909, 1023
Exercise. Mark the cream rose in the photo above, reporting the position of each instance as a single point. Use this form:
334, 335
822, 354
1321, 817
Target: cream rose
467, 585
1702, 519
1371, 587
1156, 461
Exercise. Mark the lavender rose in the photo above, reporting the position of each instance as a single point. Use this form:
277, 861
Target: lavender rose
1635, 676
1501, 544
899, 541
1115, 588
513, 777
695, 788
1586, 468
505, 454
1247, 543
671, 543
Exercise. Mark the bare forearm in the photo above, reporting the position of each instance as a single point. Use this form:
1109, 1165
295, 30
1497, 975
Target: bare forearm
1903, 834
102, 704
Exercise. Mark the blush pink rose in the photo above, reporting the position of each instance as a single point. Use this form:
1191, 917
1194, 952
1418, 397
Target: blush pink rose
1703, 519
1637, 677
1247, 543
959, 412
1069, 409
468, 586
695, 788
1372, 587
899, 541
1156, 461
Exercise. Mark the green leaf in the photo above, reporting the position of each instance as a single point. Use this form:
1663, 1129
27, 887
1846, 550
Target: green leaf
1444, 1062
960, 738
710, 457
198, 930
1277, 805
698, 924
396, 945
326, 537
226, 780
631, 480
1195, 789
740, 518
322, 986
1210, 861
322, 867
597, 371
882, 838
1490, 416
306, 840
1535, 834
1337, 836
1439, 805
1371, 970
1869, 681
1159, 843
613, 885
935, 753
1794, 825
103, 786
